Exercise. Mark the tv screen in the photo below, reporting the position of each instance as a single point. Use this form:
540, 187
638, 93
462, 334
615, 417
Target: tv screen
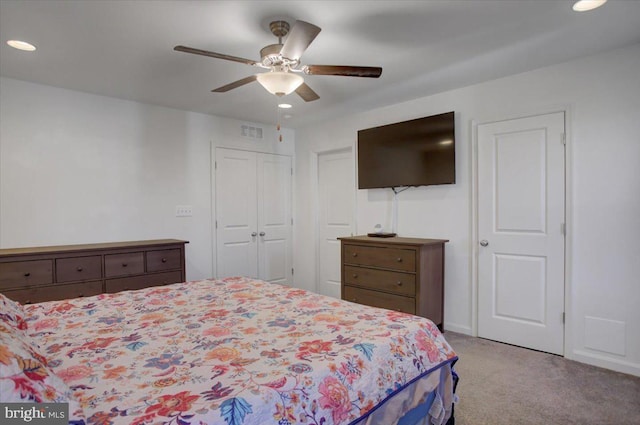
418, 152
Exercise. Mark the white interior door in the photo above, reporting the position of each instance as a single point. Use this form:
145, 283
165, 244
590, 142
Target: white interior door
335, 215
253, 215
236, 214
274, 218
521, 210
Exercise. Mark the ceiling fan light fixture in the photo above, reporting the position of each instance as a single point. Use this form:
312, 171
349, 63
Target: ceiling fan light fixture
280, 83
585, 5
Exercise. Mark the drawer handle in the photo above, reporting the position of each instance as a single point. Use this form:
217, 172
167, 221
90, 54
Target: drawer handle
399, 259
355, 254
124, 264
355, 275
164, 260
79, 269
399, 283
27, 274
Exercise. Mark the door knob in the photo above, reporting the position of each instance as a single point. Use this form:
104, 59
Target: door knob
254, 234
262, 233
484, 242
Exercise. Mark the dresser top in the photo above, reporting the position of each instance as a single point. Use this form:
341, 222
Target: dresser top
394, 240
88, 247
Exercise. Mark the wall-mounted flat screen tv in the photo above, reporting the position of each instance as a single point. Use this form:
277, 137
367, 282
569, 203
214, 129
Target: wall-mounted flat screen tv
418, 152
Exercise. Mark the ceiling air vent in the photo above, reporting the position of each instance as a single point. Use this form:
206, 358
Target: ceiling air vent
251, 132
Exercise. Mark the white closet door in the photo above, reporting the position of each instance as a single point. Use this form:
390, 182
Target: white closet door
253, 215
274, 218
236, 214
335, 216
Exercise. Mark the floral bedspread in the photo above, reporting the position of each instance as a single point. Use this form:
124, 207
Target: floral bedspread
234, 351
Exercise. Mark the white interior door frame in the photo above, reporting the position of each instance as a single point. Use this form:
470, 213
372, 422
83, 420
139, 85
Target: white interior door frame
314, 157
213, 205
473, 237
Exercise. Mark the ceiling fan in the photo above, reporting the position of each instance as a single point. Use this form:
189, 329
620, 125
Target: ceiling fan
283, 63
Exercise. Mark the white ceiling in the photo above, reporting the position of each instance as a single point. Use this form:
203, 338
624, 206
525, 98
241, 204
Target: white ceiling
124, 48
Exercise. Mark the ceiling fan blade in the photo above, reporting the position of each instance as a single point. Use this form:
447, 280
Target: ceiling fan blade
306, 93
299, 38
349, 71
215, 55
235, 84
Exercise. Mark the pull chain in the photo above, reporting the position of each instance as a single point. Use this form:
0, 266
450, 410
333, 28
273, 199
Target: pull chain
278, 121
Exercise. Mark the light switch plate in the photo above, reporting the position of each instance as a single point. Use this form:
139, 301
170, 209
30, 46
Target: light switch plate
184, 211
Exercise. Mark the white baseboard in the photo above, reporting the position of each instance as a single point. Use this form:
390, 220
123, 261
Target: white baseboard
605, 362
460, 329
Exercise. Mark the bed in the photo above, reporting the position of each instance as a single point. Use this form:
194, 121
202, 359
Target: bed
234, 351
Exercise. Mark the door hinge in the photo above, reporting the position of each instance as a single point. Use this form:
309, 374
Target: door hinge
215, 165
216, 224
563, 229
291, 271
563, 317
564, 138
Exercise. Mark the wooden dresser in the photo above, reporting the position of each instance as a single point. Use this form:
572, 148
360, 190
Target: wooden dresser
403, 274
32, 275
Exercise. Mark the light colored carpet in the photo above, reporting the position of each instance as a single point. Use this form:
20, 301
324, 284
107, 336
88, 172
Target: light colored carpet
502, 384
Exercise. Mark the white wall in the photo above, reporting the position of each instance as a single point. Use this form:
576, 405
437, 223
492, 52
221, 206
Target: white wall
602, 94
81, 168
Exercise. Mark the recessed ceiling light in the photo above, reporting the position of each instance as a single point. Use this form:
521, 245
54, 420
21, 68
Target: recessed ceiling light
21, 45
584, 5
284, 106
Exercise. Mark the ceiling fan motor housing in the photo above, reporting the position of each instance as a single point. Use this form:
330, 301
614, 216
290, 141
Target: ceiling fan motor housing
271, 55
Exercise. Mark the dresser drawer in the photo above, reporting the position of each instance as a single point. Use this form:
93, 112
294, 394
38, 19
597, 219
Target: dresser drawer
165, 259
123, 264
386, 258
58, 292
139, 282
381, 280
78, 268
26, 273
380, 299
